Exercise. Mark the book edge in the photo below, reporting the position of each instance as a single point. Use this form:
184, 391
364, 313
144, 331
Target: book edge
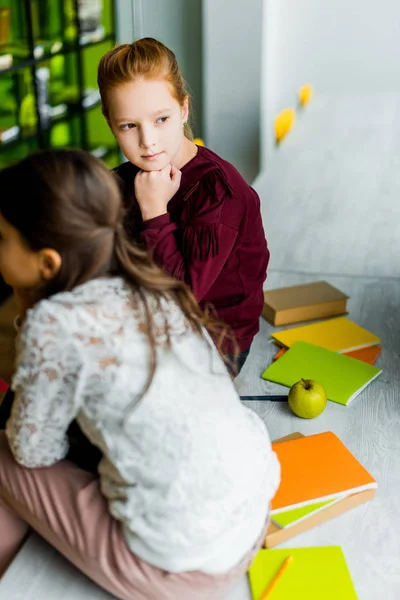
364, 386
314, 512
343, 494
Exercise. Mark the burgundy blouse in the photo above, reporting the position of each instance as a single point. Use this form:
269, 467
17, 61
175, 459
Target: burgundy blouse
212, 237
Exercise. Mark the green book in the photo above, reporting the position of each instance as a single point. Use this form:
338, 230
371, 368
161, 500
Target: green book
288, 518
343, 377
319, 573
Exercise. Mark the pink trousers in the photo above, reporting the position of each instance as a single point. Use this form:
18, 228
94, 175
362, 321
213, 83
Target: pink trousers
64, 505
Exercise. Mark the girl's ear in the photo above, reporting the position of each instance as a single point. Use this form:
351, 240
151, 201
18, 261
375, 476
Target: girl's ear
185, 109
50, 263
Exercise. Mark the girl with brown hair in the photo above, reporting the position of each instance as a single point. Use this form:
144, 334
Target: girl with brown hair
188, 206
109, 342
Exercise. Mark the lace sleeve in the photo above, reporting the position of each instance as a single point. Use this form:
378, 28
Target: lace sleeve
45, 384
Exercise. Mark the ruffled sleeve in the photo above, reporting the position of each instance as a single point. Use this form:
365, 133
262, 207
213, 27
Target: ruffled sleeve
45, 382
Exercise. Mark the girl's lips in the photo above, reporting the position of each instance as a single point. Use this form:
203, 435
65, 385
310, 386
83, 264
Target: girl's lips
152, 156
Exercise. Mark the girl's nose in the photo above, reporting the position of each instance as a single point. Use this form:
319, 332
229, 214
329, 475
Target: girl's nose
146, 139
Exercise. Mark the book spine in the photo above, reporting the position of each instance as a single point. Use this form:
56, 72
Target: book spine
309, 313
269, 314
276, 536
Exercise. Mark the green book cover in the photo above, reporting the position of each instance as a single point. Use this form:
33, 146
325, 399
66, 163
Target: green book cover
343, 377
319, 573
295, 515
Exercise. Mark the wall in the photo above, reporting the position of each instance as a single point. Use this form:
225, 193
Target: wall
218, 45
176, 23
340, 47
232, 34
270, 104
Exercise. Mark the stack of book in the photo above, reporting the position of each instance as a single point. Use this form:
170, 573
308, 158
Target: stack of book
320, 479
336, 352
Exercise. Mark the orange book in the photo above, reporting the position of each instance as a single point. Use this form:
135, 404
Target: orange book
368, 355
316, 468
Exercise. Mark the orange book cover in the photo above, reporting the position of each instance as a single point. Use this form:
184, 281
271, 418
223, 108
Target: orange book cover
368, 355
316, 468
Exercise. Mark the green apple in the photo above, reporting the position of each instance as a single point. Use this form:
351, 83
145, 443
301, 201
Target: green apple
307, 398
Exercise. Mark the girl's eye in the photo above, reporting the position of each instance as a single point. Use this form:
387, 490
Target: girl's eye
162, 120
127, 126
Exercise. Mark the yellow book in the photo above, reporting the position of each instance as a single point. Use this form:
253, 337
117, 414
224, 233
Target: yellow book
338, 335
319, 573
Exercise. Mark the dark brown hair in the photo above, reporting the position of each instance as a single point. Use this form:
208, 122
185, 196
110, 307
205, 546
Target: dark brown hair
147, 58
67, 200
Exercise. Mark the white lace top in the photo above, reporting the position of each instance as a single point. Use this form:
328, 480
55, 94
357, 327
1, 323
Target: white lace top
189, 471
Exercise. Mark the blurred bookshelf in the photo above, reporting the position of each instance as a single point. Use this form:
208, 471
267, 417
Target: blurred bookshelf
49, 52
